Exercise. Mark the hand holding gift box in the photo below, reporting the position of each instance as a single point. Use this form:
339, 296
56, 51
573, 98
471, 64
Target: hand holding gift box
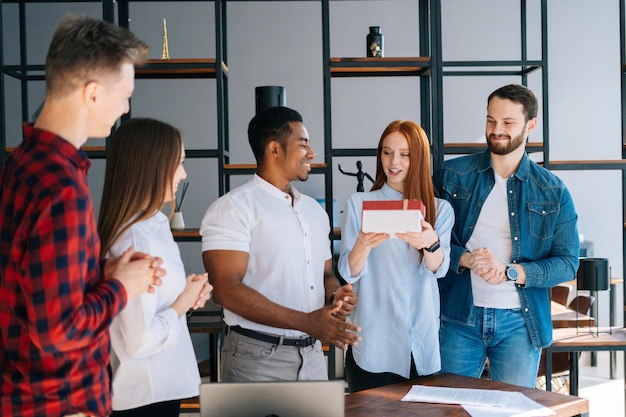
392, 216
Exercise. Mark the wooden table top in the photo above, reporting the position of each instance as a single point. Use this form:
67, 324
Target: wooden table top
385, 401
565, 317
600, 340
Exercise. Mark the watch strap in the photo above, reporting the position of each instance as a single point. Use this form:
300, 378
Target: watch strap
433, 247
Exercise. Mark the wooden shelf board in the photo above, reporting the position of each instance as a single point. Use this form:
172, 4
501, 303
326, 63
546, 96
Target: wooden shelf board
235, 167
598, 164
194, 234
10, 149
199, 67
383, 66
190, 404
462, 148
481, 145
94, 148
187, 233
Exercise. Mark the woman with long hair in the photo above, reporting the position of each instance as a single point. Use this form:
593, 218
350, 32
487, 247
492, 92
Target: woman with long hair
395, 276
153, 360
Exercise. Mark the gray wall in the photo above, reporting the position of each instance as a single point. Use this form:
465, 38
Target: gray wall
279, 43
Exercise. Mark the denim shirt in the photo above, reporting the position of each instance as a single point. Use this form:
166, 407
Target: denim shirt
543, 232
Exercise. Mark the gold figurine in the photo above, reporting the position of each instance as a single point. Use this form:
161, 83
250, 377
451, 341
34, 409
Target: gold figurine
165, 54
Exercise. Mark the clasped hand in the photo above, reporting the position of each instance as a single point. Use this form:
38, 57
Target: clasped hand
138, 272
486, 265
197, 291
348, 301
329, 324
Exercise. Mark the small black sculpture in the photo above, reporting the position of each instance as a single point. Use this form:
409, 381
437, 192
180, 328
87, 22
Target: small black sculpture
360, 175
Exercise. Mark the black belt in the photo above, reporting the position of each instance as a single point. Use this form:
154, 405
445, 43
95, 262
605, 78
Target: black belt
275, 340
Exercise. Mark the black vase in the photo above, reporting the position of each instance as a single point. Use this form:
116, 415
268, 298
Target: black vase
374, 42
593, 274
269, 96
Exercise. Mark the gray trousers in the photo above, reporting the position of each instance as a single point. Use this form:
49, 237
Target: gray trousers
248, 360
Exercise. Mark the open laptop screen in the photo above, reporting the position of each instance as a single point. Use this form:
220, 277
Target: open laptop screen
275, 399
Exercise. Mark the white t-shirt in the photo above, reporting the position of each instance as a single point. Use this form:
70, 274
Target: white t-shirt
287, 246
493, 231
153, 358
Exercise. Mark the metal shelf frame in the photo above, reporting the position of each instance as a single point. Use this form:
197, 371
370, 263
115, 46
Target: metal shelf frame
333, 67
429, 66
522, 68
197, 68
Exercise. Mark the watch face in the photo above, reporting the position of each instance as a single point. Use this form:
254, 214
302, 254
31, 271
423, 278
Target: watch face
511, 273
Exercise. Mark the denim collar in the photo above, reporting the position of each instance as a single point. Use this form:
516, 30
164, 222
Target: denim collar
523, 170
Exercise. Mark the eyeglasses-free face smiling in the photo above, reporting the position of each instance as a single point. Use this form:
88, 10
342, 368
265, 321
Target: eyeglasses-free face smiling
395, 160
299, 154
506, 127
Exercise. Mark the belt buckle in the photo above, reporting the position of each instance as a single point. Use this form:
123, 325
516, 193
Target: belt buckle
300, 343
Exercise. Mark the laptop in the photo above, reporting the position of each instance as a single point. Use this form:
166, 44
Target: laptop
272, 399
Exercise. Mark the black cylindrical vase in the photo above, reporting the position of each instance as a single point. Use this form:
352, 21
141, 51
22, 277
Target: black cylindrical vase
375, 42
269, 96
593, 274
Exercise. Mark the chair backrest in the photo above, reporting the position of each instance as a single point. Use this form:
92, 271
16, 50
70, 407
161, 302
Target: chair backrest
560, 294
560, 363
582, 304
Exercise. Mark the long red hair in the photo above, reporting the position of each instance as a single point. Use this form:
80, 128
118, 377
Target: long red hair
419, 182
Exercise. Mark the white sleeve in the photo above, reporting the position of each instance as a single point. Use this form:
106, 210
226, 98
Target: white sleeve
226, 226
349, 234
146, 330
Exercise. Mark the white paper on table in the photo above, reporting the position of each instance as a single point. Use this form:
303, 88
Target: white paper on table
518, 406
447, 395
480, 402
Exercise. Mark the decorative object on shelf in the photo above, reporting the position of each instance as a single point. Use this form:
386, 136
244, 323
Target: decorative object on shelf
375, 43
269, 96
177, 222
593, 275
359, 174
166, 53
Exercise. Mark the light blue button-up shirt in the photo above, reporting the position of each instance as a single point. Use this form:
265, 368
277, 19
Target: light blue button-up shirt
398, 307
544, 235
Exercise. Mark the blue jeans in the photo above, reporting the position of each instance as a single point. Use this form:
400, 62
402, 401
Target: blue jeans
494, 333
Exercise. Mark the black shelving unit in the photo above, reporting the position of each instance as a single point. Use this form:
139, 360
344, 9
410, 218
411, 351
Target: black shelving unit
343, 67
521, 68
209, 68
622, 37
428, 66
205, 321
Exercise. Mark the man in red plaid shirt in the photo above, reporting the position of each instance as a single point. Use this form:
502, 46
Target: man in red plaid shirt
57, 298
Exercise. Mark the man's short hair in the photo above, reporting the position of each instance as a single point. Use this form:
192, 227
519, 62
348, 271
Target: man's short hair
270, 124
518, 94
85, 49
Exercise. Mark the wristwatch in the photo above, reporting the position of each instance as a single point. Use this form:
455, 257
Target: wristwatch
511, 273
433, 247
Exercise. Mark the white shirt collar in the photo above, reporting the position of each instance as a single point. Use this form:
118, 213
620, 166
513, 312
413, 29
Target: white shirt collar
277, 193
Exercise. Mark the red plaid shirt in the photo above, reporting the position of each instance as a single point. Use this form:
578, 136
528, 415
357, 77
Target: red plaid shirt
55, 307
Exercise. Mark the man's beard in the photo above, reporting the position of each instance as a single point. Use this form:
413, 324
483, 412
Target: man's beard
505, 149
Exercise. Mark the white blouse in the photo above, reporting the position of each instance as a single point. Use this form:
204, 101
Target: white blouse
153, 358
